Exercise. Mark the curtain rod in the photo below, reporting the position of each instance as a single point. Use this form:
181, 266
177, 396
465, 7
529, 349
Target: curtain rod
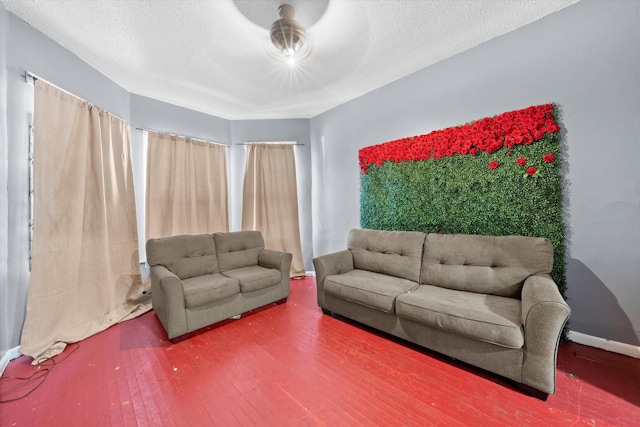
31, 78
182, 136
267, 143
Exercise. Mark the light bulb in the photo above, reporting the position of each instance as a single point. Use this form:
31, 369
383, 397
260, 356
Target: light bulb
289, 55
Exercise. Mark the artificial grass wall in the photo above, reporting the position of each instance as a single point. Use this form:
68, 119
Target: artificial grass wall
495, 176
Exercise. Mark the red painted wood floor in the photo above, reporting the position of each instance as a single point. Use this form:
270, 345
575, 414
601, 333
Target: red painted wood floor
289, 365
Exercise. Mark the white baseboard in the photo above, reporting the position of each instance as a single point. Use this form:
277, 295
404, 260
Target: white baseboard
310, 273
12, 353
613, 346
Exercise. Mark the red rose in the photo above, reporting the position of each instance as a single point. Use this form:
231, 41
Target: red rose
532, 170
493, 164
521, 161
489, 135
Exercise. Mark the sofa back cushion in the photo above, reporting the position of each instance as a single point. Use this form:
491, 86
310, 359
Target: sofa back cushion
395, 253
484, 264
185, 255
238, 249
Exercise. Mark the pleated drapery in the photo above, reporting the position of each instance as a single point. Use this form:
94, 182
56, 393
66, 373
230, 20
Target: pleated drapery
186, 186
270, 199
85, 272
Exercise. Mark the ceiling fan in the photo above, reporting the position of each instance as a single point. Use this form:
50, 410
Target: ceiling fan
287, 34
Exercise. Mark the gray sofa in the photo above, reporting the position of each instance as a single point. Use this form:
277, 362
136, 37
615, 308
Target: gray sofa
488, 301
198, 280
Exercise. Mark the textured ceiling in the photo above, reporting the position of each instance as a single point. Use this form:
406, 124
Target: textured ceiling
216, 57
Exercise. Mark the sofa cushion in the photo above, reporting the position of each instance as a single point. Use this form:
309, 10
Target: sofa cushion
489, 318
484, 264
185, 256
395, 253
208, 288
255, 277
238, 249
374, 290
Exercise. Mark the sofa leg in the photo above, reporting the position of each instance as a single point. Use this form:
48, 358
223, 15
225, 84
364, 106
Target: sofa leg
534, 392
325, 311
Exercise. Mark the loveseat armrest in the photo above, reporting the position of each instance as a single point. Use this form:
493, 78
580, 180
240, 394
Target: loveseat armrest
167, 298
278, 260
275, 259
544, 314
328, 265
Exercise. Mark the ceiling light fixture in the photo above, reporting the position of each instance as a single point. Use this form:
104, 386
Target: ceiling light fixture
287, 34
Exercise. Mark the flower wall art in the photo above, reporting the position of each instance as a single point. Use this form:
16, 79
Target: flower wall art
494, 176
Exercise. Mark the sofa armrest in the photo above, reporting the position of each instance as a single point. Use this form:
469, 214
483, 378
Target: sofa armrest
544, 314
167, 298
278, 260
327, 265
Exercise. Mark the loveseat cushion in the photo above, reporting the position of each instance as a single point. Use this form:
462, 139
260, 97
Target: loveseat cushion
238, 249
489, 318
255, 277
394, 253
205, 289
484, 264
371, 289
185, 256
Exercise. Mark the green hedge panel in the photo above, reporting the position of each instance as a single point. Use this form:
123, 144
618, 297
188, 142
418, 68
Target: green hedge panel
461, 194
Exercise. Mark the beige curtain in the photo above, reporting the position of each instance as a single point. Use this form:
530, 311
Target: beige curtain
270, 199
85, 272
186, 186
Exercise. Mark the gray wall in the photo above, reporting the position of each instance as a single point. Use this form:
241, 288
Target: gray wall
586, 58
8, 295
24, 48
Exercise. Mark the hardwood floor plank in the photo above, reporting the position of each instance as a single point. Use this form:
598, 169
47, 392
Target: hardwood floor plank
290, 365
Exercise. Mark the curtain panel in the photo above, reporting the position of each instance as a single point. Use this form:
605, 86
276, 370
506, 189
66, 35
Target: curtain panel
270, 199
186, 186
85, 272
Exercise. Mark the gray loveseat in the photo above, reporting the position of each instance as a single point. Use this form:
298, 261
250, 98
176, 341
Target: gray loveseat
198, 280
488, 301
